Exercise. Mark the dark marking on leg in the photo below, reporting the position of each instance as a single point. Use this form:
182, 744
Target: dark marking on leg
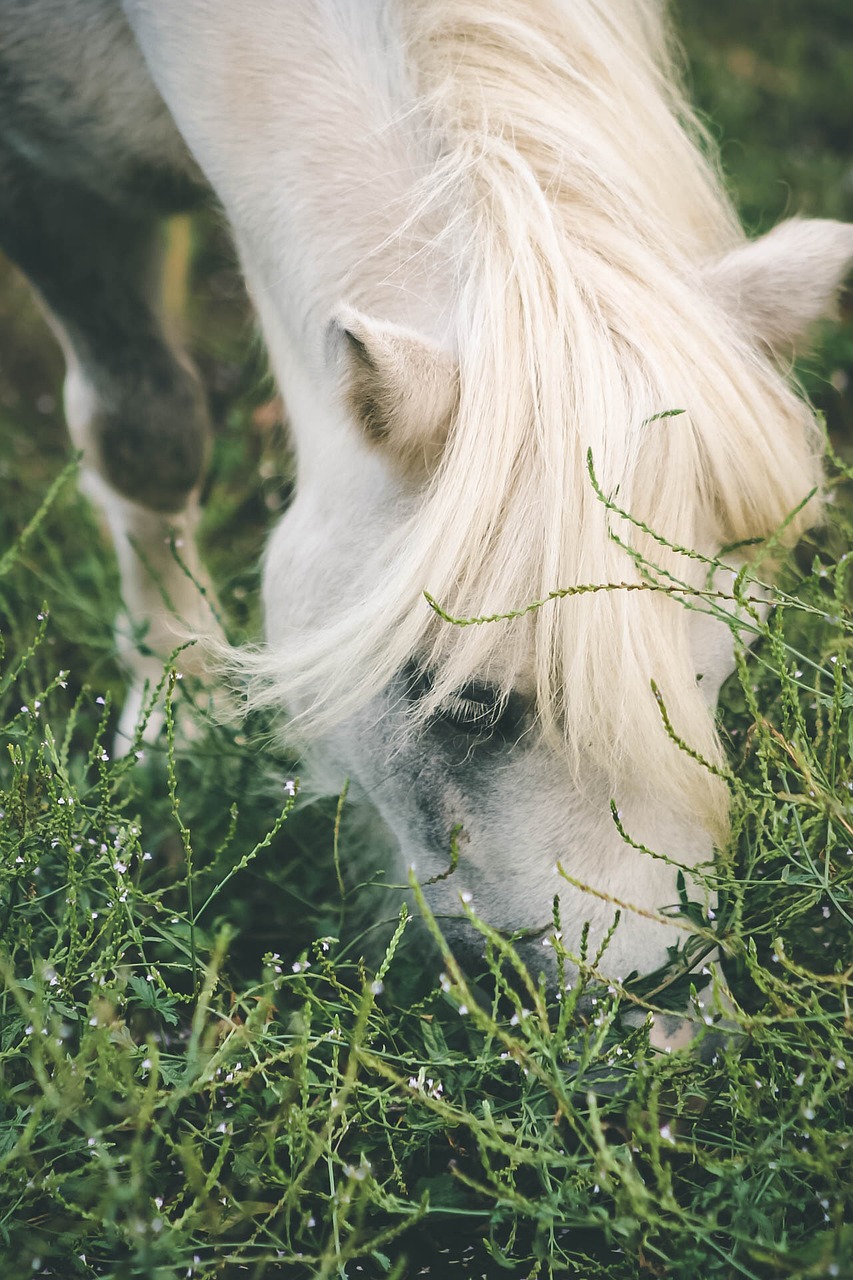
97, 267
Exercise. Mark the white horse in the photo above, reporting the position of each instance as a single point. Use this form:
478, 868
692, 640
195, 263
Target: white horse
490, 257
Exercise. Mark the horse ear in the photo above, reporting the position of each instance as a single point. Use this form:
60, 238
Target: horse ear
401, 388
783, 283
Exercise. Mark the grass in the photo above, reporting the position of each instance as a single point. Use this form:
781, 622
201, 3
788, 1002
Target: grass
199, 1076
174, 1102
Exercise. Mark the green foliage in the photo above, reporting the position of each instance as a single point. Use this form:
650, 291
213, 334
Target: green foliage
173, 1103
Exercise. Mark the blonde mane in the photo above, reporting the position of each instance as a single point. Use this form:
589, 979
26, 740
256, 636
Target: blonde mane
576, 197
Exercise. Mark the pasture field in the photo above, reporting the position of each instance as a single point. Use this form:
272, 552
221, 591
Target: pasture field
201, 1077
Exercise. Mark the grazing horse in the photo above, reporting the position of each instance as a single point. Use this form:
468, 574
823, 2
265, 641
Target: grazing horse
524, 346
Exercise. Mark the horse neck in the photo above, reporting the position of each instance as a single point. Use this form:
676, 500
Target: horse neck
313, 145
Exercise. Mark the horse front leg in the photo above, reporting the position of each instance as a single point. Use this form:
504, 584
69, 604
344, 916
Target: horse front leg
134, 404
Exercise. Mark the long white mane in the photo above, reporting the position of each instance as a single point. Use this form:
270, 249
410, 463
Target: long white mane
572, 192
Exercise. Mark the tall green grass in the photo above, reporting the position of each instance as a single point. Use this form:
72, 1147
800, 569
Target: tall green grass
199, 1076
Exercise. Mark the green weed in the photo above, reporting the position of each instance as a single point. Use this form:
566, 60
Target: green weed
175, 1101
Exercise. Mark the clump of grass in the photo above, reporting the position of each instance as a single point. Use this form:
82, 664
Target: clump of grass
178, 1098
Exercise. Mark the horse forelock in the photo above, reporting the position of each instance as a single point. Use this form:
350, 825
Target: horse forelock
572, 183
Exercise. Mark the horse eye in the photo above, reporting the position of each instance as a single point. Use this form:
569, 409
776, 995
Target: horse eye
475, 709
